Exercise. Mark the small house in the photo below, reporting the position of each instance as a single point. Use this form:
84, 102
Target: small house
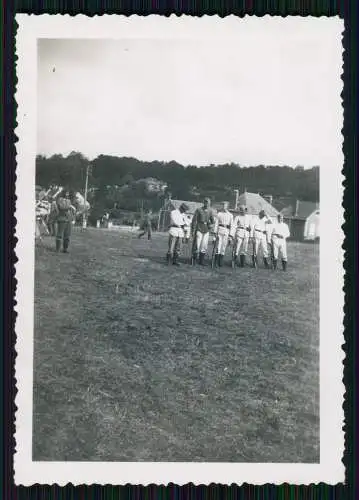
303, 220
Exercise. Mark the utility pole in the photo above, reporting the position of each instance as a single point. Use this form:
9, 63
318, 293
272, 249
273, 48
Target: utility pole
84, 215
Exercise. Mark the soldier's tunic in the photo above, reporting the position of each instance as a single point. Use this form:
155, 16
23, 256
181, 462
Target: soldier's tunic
280, 234
240, 231
259, 232
222, 228
202, 222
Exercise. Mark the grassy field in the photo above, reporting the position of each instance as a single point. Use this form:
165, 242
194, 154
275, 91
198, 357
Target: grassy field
180, 364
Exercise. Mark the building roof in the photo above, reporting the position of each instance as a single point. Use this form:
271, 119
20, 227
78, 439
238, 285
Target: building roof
255, 203
302, 210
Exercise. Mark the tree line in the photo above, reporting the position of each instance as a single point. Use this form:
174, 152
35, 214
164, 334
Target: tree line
119, 183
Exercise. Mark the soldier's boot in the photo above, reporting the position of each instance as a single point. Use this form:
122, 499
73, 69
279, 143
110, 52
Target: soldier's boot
265, 261
235, 260
274, 263
194, 258
201, 259
220, 260
242, 260
284, 265
58, 244
175, 260
66, 245
216, 260
168, 257
254, 261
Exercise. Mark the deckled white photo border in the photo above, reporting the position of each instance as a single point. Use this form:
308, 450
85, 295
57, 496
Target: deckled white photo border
330, 469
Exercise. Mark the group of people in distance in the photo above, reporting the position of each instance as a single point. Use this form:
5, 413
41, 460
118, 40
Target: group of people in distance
241, 231
265, 236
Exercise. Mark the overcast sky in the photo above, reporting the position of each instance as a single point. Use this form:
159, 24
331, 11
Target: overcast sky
262, 96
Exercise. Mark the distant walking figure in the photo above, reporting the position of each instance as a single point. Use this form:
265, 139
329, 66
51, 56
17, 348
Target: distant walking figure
147, 226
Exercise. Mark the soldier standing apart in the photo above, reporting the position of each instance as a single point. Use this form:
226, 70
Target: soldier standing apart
176, 233
222, 229
65, 215
260, 242
279, 241
202, 223
240, 231
147, 226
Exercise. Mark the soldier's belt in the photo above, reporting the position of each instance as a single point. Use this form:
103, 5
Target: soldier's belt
278, 235
224, 225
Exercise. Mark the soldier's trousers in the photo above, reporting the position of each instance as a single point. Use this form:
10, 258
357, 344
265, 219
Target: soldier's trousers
222, 242
241, 245
260, 244
201, 242
174, 244
279, 247
63, 232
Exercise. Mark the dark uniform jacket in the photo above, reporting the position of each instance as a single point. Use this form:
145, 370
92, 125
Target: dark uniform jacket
202, 220
65, 210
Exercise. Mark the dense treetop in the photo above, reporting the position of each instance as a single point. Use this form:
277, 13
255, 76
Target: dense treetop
123, 182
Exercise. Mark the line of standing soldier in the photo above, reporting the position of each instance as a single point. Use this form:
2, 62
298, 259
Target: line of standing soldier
267, 238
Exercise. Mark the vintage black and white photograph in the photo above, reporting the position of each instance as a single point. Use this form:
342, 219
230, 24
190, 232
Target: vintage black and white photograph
182, 228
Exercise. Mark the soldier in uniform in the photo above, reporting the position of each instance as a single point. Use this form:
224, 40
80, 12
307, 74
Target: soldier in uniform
280, 234
222, 229
261, 227
240, 231
65, 215
202, 223
176, 234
